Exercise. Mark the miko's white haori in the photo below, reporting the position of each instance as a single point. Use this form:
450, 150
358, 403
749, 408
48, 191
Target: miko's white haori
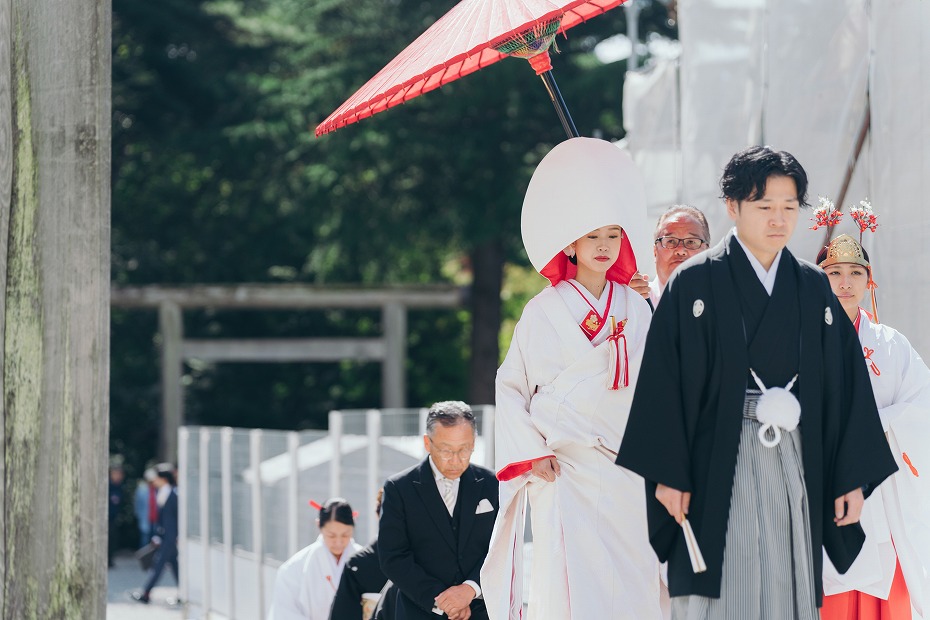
305, 585
899, 509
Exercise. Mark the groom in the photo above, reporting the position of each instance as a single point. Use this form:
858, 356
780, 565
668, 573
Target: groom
734, 321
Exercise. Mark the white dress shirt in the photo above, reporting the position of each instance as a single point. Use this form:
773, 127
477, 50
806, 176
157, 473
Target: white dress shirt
655, 291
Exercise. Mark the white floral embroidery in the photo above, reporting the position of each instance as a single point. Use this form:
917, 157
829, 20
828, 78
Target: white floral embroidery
828, 316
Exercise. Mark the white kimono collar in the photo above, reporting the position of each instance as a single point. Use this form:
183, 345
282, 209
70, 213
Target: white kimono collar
767, 278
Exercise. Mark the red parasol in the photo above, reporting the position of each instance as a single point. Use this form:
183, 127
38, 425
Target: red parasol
474, 34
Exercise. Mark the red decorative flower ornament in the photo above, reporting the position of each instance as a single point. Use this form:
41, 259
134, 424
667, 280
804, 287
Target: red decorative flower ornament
826, 214
864, 217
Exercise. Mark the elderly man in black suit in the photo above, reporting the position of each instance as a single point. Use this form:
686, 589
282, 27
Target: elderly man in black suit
437, 521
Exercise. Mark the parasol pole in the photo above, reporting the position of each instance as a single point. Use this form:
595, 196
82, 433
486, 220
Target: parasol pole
559, 104
532, 45
542, 65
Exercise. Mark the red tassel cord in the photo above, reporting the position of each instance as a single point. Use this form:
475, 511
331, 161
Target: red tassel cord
868, 357
909, 464
618, 370
872, 286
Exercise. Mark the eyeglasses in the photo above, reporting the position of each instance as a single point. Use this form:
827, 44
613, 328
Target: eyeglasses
670, 243
447, 455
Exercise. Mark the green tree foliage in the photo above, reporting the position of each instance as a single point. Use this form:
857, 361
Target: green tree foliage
217, 177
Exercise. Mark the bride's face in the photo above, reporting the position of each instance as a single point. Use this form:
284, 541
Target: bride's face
599, 249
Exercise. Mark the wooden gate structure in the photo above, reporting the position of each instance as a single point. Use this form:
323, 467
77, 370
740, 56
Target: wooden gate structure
390, 349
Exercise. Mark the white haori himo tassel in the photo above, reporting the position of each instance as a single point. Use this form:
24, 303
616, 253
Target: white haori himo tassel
618, 371
777, 409
694, 551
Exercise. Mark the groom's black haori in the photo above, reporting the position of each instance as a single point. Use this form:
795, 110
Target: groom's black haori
714, 323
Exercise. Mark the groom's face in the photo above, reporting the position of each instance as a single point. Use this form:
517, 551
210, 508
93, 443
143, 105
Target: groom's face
765, 225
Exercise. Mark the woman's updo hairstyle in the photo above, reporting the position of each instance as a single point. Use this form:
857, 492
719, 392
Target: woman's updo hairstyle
336, 509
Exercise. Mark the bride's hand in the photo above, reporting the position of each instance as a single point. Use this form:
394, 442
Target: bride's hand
547, 469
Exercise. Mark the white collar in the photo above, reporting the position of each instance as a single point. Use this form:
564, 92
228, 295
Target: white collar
597, 302
655, 291
767, 278
161, 496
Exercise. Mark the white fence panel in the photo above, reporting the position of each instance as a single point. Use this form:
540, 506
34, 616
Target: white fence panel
245, 496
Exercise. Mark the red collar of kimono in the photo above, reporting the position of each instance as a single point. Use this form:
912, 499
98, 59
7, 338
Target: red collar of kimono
858, 320
621, 272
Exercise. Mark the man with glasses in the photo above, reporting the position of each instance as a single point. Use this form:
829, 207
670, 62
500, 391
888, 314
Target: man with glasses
437, 520
681, 232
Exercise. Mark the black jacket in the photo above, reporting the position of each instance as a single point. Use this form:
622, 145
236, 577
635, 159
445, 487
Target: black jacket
424, 551
362, 574
166, 527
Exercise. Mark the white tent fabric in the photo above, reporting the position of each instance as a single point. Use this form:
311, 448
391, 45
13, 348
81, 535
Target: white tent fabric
816, 96
651, 119
721, 94
803, 76
900, 165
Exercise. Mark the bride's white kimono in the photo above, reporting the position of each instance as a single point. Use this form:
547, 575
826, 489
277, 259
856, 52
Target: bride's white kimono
591, 552
900, 509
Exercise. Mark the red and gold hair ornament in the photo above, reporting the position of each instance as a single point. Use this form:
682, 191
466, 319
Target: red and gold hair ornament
864, 217
826, 214
844, 248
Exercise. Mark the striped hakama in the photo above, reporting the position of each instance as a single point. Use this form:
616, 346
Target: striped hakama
767, 562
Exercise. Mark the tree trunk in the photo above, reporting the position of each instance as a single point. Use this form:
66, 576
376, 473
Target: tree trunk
54, 306
487, 261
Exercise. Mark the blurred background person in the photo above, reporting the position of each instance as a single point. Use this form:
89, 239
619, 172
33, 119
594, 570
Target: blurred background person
306, 583
360, 587
115, 494
166, 530
145, 506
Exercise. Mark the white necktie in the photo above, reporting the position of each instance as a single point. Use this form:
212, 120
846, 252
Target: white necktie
448, 497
